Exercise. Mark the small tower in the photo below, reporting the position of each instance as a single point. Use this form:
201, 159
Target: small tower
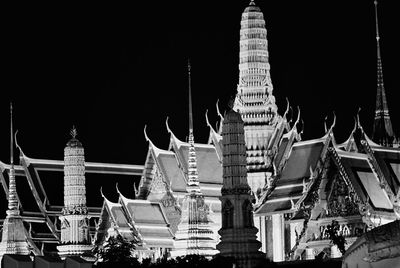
238, 234
75, 239
194, 234
382, 132
14, 237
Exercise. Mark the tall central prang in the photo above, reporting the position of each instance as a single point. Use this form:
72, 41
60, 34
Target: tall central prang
254, 99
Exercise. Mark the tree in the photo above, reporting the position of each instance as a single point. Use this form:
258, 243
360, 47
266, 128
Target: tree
336, 238
116, 249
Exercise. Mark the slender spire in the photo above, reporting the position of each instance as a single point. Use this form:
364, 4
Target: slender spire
193, 180
14, 235
377, 30
194, 234
382, 132
190, 100
12, 190
11, 137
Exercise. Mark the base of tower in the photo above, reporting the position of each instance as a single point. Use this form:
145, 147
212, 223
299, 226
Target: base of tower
242, 246
75, 250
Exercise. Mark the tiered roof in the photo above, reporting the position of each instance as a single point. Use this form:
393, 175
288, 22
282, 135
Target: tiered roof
141, 221
41, 181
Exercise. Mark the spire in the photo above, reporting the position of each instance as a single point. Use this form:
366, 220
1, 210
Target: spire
382, 132
12, 190
193, 180
14, 235
194, 234
190, 100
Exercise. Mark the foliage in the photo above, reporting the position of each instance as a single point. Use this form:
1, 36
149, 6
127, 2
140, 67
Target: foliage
192, 261
335, 237
117, 250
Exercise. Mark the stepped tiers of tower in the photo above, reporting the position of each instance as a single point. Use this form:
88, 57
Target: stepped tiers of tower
238, 234
254, 99
75, 236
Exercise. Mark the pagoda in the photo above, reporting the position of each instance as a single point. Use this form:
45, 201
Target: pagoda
75, 239
238, 234
254, 99
194, 234
14, 236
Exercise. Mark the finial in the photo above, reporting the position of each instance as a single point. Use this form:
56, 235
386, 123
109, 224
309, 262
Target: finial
358, 117
377, 29
287, 108
334, 120
325, 127
208, 122
218, 112
190, 100
167, 125
136, 190
302, 126
101, 191
291, 114
252, 3
116, 187
298, 117
73, 132
145, 133
11, 137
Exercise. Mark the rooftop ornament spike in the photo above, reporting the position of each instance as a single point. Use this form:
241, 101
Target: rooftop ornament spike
145, 133
274, 167
358, 117
16, 143
218, 112
287, 108
116, 187
311, 172
334, 121
11, 137
302, 127
167, 125
325, 127
208, 122
73, 132
252, 3
291, 114
136, 190
298, 117
101, 191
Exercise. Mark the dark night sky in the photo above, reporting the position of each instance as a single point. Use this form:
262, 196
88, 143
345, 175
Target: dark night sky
109, 70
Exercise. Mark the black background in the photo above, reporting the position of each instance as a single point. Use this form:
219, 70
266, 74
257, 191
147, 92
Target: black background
111, 69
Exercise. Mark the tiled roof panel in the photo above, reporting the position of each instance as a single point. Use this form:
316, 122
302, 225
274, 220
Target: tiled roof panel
208, 165
143, 212
300, 160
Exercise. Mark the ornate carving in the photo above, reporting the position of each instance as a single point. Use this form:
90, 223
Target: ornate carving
341, 200
227, 211
158, 184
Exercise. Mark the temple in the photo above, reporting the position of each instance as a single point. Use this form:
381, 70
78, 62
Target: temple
255, 176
